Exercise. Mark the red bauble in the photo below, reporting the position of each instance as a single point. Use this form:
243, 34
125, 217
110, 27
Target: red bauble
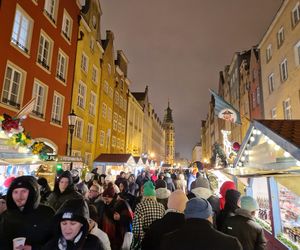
236, 146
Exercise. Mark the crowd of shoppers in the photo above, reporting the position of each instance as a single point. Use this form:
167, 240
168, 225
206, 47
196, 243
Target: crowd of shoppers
149, 211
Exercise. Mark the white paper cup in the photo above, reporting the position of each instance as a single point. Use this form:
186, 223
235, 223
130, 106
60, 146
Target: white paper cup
18, 242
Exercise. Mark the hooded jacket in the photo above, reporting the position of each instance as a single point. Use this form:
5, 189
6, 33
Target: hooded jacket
223, 189
56, 198
73, 210
33, 221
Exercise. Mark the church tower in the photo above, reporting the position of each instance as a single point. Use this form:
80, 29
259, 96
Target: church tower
168, 125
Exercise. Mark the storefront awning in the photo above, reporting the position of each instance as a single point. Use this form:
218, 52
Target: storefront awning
117, 159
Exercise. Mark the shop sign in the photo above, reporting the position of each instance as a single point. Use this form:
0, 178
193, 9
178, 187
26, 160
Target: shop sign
69, 158
51, 158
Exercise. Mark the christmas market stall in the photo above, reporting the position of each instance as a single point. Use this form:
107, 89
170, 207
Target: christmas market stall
268, 163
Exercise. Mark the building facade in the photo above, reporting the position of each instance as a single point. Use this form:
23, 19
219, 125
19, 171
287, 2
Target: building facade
168, 125
280, 62
38, 51
86, 88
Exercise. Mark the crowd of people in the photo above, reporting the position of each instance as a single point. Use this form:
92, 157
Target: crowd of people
151, 211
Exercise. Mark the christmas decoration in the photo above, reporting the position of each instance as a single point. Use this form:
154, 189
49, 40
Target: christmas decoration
218, 158
236, 146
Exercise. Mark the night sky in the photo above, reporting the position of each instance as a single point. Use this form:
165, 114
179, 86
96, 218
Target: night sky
178, 47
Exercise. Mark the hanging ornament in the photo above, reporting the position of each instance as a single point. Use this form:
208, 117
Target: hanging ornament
236, 146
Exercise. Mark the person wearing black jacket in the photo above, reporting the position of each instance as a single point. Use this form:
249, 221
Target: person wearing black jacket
72, 228
25, 216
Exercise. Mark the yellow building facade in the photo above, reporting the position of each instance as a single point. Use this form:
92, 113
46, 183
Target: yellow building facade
86, 86
280, 63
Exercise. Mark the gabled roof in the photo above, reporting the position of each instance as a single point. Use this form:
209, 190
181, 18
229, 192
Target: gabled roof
116, 158
139, 96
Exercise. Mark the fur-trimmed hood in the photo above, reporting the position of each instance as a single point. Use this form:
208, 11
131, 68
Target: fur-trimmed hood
201, 192
162, 193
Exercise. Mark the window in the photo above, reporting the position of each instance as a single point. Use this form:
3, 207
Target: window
104, 108
110, 92
84, 62
271, 83
287, 109
121, 102
105, 87
13, 85
269, 52
125, 105
81, 95
40, 93
283, 70
273, 113
123, 125
297, 53
92, 106
61, 68
57, 109
113, 141
92, 45
257, 95
67, 24
90, 133
95, 74
280, 37
102, 138
22, 30
120, 124
76, 153
109, 114
295, 15
109, 69
79, 128
117, 98
45, 50
50, 9
115, 123
88, 158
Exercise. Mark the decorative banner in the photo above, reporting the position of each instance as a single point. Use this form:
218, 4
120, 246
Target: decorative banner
224, 110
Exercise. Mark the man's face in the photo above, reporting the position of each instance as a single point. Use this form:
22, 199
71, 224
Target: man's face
70, 229
63, 184
107, 200
122, 175
20, 196
93, 192
2, 205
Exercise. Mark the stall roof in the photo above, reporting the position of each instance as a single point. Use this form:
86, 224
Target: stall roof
113, 158
285, 134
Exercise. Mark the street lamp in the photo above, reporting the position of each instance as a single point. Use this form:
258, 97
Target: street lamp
72, 117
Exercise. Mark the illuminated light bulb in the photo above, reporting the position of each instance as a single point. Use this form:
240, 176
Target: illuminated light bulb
276, 147
243, 158
35, 157
240, 164
246, 152
266, 138
270, 142
252, 138
298, 163
286, 154
258, 132
254, 131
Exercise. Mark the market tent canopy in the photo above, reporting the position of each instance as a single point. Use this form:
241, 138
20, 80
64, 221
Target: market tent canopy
104, 159
270, 145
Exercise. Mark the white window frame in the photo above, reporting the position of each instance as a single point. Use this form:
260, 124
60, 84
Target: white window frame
95, 74
120, 124
287, 109
274, 113
67, 26
84, 62
283, 70
109, 114
90, 133
92, 105
45, 54
79, 128
76, 153
104, 109
269, 52
21, 35
110, 92
296, 15
57, 109
115, 122
41, 98
102, 138
50, 10
123, 125
121, 102
92, 44
81, 97
125, 104
105, 88
297, 53
109, 69
113, 141
62, 66
271, 83
117, 98
12, 95
280, 37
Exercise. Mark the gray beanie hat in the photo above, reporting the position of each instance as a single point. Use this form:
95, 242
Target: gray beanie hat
200, 182
198, 208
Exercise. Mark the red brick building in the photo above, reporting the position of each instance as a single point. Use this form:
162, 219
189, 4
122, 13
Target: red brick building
38, 46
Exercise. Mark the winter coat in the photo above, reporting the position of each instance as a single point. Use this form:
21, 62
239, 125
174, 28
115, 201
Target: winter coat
198, 234
147, 211
99, 204
56, 198
191, 179
170, 184
162, 196
75, 210
251, 236
169, 223
33, 222
181, 183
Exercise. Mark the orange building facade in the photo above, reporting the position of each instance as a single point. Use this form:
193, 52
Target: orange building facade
38, 47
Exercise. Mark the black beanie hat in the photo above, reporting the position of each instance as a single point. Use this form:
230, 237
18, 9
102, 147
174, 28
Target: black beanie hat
160, 184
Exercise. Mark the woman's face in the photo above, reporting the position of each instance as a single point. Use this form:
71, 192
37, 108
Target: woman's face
63, 184
121, 187
70, 229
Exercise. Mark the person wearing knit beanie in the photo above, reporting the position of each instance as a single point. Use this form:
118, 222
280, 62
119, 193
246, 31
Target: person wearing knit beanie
109, 193
149, 189
177, 201
162, 193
